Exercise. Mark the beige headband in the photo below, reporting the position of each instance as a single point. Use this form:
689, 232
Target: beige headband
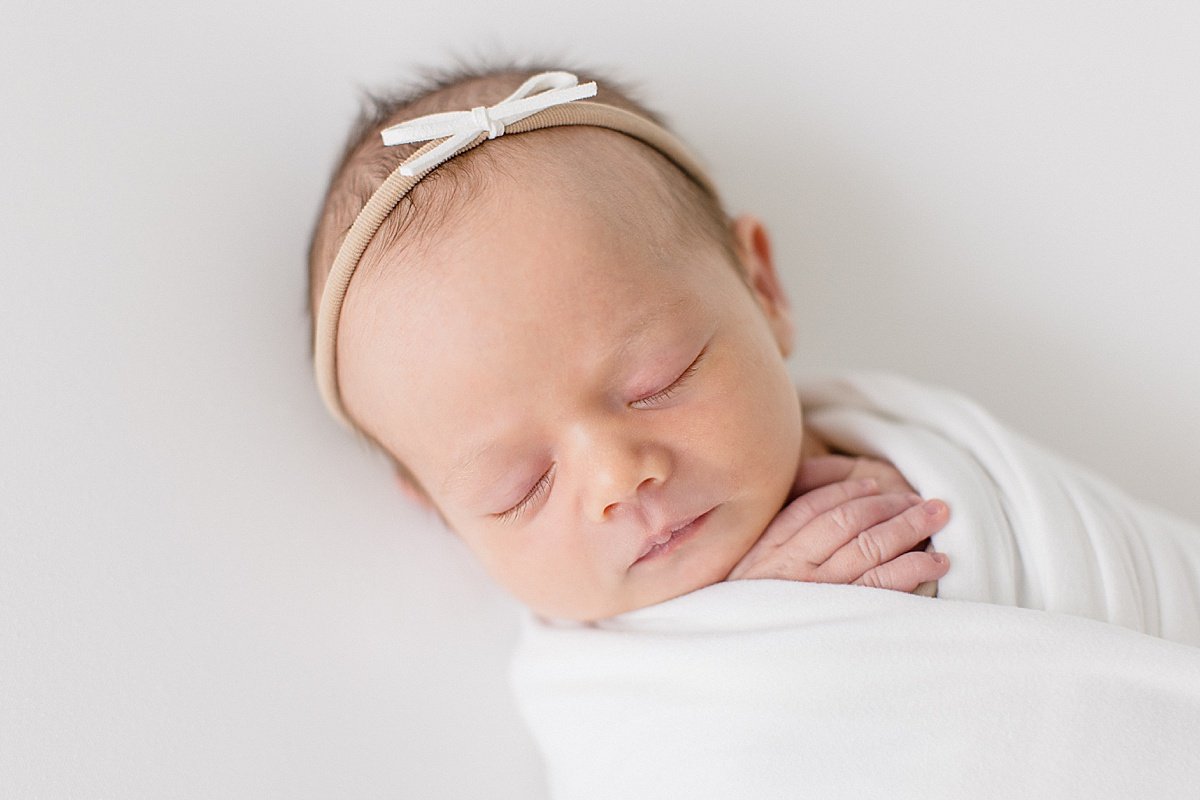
545, 100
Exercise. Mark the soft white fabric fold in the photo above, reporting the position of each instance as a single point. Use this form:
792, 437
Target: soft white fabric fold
781, 689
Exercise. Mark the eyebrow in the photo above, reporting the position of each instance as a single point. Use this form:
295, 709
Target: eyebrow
463, 470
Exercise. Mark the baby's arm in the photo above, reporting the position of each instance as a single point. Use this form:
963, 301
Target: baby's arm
856, 521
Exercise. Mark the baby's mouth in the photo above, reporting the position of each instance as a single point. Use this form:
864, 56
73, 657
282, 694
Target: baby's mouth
671, 537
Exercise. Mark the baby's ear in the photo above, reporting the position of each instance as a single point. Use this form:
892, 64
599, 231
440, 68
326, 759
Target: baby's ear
754, 249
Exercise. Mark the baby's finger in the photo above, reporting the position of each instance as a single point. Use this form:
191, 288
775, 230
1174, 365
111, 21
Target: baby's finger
841, 527
906, 572
807, 507
885, 541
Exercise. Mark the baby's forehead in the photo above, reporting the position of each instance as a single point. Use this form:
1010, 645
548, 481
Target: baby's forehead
559, 240
534, 253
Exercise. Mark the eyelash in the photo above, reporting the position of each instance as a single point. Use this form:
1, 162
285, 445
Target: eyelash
543, 484
539, 488
668, 392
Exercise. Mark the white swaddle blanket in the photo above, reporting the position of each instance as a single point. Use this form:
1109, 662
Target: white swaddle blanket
782, 689
1027, 527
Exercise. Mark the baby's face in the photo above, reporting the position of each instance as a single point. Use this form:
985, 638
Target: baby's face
570, 386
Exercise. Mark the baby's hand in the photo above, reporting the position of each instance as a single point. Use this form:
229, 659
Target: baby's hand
856, 522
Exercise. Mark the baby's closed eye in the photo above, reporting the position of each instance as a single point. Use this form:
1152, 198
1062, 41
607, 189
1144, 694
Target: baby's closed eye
540, 488
668, 391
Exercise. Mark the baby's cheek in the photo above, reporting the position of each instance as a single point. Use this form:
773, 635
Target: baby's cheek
550, 566
768, 437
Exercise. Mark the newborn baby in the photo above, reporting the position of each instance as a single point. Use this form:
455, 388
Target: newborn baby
577, 358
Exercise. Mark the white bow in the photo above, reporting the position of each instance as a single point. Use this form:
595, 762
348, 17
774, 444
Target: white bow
548, 89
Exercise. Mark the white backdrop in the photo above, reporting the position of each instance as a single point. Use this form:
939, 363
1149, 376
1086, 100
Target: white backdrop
208, 590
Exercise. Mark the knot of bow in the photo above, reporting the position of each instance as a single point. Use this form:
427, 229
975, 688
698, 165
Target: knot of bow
540, 92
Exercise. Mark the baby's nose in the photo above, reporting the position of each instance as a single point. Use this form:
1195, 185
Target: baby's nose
626, 503
622, 467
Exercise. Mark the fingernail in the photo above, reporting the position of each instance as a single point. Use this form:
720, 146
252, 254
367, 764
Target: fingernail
939, 558
868, 484
934, 507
